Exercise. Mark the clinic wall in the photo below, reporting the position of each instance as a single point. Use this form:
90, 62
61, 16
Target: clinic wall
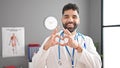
31, 14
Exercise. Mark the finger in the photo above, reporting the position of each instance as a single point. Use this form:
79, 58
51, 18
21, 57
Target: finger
67, 39
66, 36
57, 43
63, 44
58, 27
55, 31
67, 31
57, 37
64, 31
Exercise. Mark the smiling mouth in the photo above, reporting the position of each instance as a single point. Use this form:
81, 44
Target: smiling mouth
70, 25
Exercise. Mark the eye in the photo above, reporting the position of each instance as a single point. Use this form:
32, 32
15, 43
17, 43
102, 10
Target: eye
74, 17
66, 16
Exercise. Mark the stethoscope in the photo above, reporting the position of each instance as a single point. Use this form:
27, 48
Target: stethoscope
73, 51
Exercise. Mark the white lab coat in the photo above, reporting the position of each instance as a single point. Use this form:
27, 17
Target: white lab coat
89, 58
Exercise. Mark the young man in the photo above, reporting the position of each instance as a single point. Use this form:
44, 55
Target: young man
67, 48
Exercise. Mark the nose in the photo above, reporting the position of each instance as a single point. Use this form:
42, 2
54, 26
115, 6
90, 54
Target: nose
70, 19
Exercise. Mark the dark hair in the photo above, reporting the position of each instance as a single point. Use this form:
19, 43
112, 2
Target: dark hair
70, 6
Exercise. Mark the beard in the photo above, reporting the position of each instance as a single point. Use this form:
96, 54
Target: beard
71, 29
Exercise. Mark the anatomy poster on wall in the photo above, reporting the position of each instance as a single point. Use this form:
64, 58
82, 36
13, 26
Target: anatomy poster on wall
13, 43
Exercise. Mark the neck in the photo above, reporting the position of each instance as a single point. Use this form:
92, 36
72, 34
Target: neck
74, 33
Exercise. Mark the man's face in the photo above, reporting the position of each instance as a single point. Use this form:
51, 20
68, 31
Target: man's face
70, 20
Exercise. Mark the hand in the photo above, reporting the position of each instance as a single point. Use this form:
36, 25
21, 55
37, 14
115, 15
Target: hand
71, 42
51, 41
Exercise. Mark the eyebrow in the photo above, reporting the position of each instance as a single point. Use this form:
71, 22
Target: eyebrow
68, 15
65, 15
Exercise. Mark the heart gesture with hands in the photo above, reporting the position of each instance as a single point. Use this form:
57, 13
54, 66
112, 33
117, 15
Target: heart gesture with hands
71, 42
68, 37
